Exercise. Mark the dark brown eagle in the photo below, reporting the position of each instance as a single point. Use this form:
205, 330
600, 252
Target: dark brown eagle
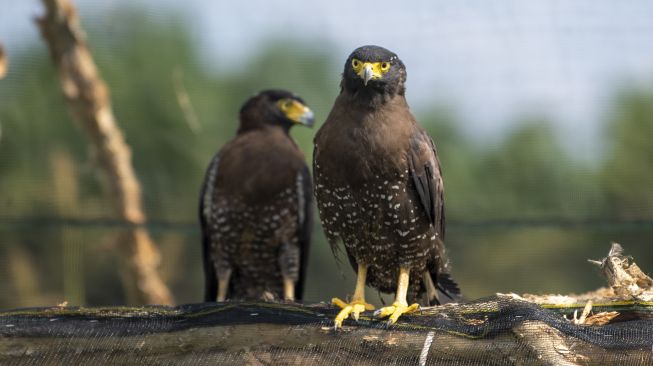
379, 188
255, 205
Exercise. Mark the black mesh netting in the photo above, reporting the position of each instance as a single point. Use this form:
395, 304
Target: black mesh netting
491, 331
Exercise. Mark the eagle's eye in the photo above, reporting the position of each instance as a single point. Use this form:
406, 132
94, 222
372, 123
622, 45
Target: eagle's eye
385, 66
285, 104
355, 63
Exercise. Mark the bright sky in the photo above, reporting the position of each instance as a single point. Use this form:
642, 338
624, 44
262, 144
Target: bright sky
491, 60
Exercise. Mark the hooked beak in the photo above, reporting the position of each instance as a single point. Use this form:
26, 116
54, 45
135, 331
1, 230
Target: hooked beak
307, 118
297, 112
367, 74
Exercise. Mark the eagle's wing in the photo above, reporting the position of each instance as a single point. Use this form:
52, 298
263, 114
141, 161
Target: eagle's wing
305, 218
205, 208
426, 174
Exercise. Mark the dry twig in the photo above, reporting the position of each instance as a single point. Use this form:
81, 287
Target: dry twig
184, 101
88, 98
4, 62
624, 276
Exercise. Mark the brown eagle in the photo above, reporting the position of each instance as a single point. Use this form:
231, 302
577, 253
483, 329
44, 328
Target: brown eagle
379, 188
255, 205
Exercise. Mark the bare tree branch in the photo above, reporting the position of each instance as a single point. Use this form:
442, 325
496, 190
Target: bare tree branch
4, 62
88, 98
184, 101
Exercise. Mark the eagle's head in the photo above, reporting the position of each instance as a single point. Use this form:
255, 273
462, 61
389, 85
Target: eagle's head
374, 69
275, 107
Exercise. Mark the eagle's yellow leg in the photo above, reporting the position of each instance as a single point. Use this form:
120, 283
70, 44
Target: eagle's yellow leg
357, 304
288, 289
400, 306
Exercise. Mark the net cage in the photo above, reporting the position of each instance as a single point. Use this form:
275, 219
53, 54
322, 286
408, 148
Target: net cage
523, 208
515, 95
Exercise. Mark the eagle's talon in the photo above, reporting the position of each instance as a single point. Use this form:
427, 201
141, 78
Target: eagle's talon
353, 308
395, 311
355, 315
339, 303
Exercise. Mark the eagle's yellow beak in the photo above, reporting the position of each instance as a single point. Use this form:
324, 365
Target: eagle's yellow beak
369, 71
297, 112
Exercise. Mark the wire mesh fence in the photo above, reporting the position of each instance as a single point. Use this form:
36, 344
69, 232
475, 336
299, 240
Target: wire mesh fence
545, 155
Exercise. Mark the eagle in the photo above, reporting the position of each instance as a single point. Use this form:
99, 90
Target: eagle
255, 205
379, 189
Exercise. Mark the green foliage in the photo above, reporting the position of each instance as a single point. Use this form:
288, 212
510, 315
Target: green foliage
627, 173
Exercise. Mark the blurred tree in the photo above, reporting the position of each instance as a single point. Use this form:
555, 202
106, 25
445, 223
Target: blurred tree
457, 156
627, 175
529, 176
526, 177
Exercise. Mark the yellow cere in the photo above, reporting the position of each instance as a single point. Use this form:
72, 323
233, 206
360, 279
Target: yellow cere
293, 109
378, 68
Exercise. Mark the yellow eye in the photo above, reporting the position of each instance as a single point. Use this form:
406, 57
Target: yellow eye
385, 66
285, 104
355, 63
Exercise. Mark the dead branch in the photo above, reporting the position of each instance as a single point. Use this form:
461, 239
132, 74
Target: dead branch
548, 344
4, 62
624, 276
278, 334
183, 99
88, 98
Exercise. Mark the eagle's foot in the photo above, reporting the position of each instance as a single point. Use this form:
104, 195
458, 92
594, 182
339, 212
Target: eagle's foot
354, 308
395, 311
